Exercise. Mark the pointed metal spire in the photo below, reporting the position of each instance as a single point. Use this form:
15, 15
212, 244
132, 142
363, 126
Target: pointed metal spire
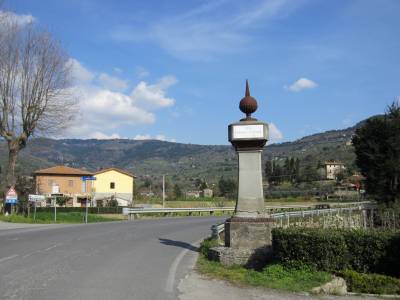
247, 94
248, 104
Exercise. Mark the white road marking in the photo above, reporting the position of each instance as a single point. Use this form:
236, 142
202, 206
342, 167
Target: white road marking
8, 258
169, 287
42, 250
52, 247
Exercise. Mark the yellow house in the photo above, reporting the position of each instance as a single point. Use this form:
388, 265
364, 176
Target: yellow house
113, 183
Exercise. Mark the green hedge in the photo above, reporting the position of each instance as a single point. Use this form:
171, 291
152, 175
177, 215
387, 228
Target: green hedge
370, 283
372, 251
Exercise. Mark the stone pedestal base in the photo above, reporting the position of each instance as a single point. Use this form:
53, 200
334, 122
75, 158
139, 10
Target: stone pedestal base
248, 242
249, 258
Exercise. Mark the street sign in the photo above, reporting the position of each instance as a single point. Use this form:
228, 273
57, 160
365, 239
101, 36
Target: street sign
55, 189
35, 198
87, 178
11, 196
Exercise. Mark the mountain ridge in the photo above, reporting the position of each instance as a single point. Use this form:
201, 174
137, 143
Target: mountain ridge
183, 162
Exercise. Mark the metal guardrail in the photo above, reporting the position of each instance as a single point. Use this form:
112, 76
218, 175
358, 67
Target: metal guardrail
137, 211
314, 212
217, 229
132, 212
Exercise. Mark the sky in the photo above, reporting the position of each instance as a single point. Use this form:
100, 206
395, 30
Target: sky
176, 70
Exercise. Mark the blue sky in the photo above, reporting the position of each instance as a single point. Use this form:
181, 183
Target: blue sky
176, 70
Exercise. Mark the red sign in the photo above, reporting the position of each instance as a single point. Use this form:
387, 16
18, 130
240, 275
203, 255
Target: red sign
11, 193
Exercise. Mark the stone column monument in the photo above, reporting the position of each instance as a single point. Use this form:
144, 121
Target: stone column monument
248, 231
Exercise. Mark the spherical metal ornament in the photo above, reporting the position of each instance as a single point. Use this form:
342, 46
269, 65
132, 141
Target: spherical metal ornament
248, 104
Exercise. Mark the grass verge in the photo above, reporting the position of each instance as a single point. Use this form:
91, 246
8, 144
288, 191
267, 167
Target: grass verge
47, 218
290, 277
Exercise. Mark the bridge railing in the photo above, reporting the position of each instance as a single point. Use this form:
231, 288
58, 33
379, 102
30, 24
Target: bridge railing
283, 219
132, 213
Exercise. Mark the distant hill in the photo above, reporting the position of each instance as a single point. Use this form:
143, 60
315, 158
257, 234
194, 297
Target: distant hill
182, 162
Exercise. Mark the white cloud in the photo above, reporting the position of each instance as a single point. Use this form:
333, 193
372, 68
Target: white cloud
112, 82
104, 105
21, 20
159, 137
274, 133
79, 73
102, 136
114, 108
154, 96
302, 84
213, 28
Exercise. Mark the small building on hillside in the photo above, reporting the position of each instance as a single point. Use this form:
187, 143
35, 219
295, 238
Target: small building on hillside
113, 184
333, 168
64, 181
193, 194
207, 193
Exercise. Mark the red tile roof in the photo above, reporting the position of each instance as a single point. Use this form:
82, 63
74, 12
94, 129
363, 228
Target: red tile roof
63, 170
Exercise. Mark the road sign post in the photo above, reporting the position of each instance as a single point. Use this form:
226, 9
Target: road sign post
84, 179
55, 209
11, 197
35, 199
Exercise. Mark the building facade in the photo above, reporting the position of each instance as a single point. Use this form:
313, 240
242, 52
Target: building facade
64, 181
333, 168
113, 184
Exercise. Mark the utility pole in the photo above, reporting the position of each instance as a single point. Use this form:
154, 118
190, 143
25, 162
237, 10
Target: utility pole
55, 209
163, 191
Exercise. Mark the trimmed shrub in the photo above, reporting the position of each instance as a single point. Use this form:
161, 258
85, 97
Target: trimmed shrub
370, 283
373, 251
206, 245
313, 247
331, 250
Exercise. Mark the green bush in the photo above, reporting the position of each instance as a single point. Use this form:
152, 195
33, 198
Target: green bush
331, 250
370, 283
206, 245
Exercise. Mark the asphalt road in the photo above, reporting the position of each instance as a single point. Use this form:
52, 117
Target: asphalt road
141, 259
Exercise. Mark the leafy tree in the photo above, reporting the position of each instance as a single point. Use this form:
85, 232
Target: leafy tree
177, 191
227, 187
112, 202
147, 183
309, 173
268, 170
297, 169
61, 201
24, 186
377, 148
203, 185
200, 184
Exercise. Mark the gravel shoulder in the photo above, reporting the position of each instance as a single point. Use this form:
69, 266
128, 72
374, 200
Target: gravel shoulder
196, 286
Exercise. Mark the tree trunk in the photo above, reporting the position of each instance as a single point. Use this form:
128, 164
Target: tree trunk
13, 150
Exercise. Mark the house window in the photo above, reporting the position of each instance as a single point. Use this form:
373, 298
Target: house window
70, 183
50, 182
112, 185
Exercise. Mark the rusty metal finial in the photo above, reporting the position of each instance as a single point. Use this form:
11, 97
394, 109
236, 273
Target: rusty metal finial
247, 94
248, 104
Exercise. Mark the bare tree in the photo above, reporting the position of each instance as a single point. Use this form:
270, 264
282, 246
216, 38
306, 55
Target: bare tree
35, 97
